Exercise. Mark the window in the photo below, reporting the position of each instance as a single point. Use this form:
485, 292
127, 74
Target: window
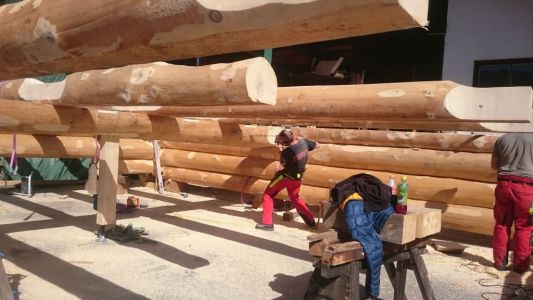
516, 72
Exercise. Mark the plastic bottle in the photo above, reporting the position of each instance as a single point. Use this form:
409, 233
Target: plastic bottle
403, 192
394, 189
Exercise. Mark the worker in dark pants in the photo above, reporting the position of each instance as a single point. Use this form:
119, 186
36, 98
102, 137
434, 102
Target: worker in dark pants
293, 159
512, 157
365, 201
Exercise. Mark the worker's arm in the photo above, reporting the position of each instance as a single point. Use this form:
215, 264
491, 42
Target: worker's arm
494, 163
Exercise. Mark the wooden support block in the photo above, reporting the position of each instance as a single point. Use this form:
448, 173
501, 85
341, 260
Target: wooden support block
176, 186
400, 229
258, 200
289, 216
338, 254
107, 182
428, 221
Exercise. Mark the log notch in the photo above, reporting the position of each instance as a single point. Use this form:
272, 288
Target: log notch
409, 101
445, 190
244, 82
69, 147
43, 37
107, 183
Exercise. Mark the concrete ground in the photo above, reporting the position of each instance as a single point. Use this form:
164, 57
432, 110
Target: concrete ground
203, 246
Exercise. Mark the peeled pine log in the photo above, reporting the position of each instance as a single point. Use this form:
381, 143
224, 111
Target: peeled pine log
458, 217
447, 164
408, 101
445, 190
43, 37
69, 147
253, 135
73, 121
244, 82
136, 166
246, 184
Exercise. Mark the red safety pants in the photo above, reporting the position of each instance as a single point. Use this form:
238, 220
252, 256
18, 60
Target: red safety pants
293, 189
514, 195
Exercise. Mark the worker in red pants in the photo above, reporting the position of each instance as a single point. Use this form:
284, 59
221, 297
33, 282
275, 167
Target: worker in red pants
293, 159
512, 157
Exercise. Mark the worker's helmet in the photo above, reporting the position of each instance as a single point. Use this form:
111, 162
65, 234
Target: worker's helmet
285, 137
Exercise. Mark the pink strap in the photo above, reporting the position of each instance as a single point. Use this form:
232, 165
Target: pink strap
13, 161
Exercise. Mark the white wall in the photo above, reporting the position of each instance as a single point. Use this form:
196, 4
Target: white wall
485, 30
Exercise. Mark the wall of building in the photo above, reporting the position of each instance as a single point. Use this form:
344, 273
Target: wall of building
485, 30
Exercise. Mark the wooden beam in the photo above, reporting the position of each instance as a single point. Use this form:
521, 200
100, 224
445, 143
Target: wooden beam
435, 101
338, 254
107, 182
44, 37
153, 85
254, 136
69, 147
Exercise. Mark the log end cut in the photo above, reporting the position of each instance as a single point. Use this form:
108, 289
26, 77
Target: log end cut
261, 82
497, 104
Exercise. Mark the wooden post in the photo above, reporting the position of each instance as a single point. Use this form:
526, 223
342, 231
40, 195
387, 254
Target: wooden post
107, 182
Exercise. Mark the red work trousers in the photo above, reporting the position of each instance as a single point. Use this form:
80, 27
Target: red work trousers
514, 195
293, 189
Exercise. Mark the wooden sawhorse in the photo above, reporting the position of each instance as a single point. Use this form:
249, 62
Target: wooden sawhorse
337, 270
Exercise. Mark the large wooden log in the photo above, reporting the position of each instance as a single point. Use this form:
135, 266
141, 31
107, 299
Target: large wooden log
458, 217
244, 82
463, 142
136, 166
445, 190
69, 147
43, 37
407, 101
447, 164
246, 184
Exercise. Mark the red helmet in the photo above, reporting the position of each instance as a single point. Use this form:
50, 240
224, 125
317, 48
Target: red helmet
285, 137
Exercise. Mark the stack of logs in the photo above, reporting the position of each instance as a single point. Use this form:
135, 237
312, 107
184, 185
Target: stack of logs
202, 115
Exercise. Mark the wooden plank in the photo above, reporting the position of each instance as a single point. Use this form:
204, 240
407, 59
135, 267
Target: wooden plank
338, 254
107, 182
400, 229
316, 248
355, 269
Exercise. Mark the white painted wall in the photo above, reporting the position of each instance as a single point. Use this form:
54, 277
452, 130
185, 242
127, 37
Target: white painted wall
485, 30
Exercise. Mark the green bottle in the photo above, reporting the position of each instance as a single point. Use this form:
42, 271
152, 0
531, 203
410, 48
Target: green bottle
403, 191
